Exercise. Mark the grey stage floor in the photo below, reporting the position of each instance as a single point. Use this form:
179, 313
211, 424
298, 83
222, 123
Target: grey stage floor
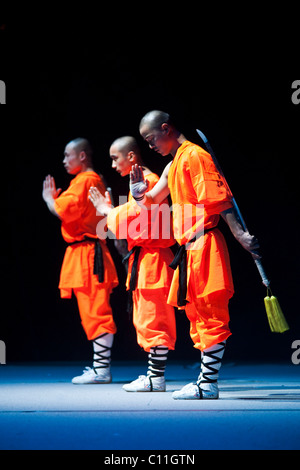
259, 408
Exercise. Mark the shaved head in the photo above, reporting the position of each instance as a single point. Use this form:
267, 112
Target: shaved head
78, 156
124, 153
126, 144
155, 119
82, 145
157, 128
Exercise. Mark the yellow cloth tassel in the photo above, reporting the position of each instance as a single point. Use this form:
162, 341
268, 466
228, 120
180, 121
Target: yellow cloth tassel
275, 316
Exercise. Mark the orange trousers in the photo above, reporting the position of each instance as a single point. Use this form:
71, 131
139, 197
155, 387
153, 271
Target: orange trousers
153, 318
95, 310
209, 317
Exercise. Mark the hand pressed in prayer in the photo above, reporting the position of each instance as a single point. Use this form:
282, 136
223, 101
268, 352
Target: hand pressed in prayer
101, 203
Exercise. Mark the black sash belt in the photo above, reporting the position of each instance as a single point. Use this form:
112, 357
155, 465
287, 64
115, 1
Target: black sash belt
98, 257
134, 272
180, 260
133, 275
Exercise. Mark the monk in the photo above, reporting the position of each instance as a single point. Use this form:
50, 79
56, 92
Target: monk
149, 236
202, 283
88, 269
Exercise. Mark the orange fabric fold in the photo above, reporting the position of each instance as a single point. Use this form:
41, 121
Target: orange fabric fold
153, 318
79, 220
196, 187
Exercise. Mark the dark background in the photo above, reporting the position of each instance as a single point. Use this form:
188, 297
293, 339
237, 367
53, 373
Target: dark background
98, 84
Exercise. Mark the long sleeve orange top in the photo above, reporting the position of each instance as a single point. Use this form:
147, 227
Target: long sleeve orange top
150, 229
79, 220
198, 197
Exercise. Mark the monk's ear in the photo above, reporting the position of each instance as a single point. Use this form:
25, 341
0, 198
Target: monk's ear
165, 128
82, 156
130, 156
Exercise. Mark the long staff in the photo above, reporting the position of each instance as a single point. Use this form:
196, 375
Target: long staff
276, 318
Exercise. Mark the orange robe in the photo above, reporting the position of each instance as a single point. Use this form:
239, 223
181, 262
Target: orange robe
153, 318
79, 220
198, 196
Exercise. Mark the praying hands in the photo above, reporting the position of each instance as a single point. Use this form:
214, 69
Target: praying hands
101, 203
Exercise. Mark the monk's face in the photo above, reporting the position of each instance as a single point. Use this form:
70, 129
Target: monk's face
158, 139
121, 161
72, 160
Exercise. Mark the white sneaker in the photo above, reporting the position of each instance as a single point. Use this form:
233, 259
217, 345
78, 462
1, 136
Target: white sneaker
146, 384
89, 376
193, 392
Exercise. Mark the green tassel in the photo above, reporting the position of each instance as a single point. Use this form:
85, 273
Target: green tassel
277, 322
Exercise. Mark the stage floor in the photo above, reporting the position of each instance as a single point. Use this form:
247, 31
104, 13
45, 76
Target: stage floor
259, 408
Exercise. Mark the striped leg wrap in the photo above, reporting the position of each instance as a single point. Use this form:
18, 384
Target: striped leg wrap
211, 362
157, 361
102, 351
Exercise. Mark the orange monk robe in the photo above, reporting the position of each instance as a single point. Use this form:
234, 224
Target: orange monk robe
79, 220
197, 188
153, 318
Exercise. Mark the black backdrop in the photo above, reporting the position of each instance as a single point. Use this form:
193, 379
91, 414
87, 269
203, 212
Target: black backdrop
99, 87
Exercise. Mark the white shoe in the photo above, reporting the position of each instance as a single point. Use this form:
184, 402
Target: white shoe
89, 376
194, 392
146, 384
